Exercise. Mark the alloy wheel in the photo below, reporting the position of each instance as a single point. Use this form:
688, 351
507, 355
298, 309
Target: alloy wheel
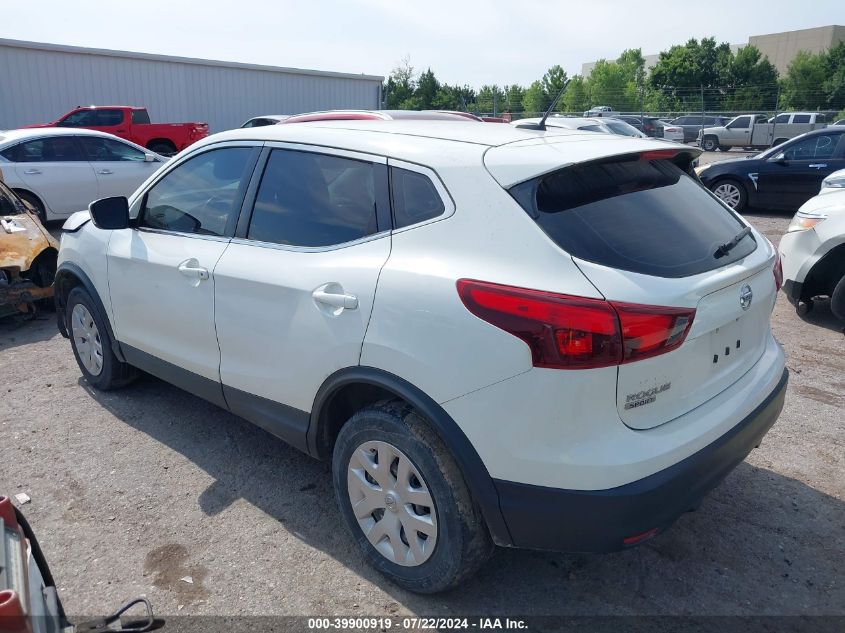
729, 194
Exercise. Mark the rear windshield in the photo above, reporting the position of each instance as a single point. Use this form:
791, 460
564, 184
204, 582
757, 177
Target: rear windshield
644, 216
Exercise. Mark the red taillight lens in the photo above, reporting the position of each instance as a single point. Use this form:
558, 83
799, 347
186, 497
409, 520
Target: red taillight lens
561, 331
777, 269
566, 332
652, 330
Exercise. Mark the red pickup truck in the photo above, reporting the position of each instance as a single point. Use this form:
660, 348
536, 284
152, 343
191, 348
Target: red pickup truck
133, 124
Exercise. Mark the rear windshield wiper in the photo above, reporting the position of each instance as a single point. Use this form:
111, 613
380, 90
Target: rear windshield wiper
727, 247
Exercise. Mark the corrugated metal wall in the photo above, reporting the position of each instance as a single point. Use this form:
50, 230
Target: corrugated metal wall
38, 83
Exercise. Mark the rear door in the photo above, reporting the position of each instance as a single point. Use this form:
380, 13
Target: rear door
160, 272
295, 289
119, 167
55, 169
645, 233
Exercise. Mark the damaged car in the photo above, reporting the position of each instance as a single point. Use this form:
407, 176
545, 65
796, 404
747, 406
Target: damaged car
27, 257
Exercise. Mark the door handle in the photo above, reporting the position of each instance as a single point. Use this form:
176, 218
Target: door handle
121, 130
335, 299
817, 165
32, 171
105, 171
191, 268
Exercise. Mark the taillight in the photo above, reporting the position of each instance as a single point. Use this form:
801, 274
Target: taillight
567, 332
777, 269
652, 330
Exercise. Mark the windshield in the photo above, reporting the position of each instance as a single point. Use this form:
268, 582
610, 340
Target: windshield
620, 127
644, 216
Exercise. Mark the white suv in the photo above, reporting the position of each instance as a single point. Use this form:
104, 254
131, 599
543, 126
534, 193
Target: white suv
545, 339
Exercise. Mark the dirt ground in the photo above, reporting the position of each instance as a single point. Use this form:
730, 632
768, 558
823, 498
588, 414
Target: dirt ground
142, 490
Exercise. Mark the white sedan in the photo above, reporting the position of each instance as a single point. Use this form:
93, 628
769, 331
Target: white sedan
60, 171
673, 132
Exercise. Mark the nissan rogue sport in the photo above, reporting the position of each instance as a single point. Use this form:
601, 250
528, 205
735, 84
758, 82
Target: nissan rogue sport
532, 338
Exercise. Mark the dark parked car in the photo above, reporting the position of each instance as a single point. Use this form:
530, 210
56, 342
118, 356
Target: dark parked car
692, 123
648, 125
783, 177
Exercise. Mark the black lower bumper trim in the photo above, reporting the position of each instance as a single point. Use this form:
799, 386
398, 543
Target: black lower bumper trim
600, 520
792, 290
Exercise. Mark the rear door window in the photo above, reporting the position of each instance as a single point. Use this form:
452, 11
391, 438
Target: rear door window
801, 118
140, 117
643, 216
109, 118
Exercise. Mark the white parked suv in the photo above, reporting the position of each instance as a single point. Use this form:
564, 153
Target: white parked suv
813, 252
544, 339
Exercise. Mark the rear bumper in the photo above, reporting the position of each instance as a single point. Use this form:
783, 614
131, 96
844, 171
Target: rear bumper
600, 520
792, 290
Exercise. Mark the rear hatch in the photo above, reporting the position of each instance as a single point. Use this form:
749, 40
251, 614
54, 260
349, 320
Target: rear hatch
644, 232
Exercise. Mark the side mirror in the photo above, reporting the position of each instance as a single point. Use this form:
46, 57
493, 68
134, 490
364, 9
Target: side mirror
110, 214
780, 158
149, 158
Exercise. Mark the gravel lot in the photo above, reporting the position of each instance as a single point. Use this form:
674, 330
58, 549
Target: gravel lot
135, 490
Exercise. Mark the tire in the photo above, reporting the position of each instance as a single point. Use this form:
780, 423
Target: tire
731, 193
724, 148
456, 541
779, 141
92, 345
35, 203
837, 300
709, 144
165, 148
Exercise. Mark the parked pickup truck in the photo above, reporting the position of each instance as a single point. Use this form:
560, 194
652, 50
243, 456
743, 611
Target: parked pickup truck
753, 131
133, 124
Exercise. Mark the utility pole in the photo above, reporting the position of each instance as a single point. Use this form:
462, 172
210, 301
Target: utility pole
703, 112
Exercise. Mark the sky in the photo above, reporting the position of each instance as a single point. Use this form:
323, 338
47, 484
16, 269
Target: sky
475, 43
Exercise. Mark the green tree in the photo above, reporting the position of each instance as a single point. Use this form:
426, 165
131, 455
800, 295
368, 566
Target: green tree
514, 97
802, 86
536, 100
399, 87
553, 81
610, 85
427, 88
750, 82
453, 98
490, 98
682, 71
834, 85
575, 98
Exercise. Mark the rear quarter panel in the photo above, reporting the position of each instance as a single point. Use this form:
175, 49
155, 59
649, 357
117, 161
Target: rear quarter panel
420, 329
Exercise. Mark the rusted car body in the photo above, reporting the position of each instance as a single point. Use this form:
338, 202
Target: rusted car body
27, 257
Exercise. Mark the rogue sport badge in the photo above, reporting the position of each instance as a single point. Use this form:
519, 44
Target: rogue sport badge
745, 296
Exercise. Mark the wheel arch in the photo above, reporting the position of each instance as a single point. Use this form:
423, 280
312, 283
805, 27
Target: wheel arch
68, 277
352, 388
29, 192
163, 141
825, 273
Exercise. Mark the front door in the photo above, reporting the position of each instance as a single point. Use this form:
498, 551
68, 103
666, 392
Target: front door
119, 167
161, 272
737, 133
295, 289
794, 175
55, 169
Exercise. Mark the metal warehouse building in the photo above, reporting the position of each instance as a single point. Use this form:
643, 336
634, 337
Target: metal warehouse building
43, 81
